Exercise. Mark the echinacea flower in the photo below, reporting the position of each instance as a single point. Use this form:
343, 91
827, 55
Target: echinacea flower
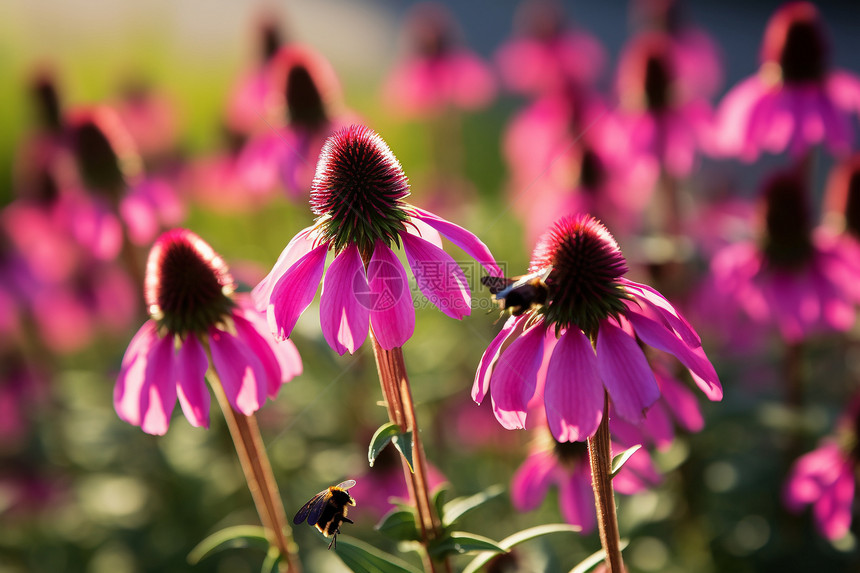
439, 73
800, 279
588, 330
566, 465
545, 56
197, 323
357, 195
796, 100
825, 477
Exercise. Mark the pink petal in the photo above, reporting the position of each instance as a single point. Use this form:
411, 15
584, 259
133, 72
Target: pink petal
658, 336
576, 499
439, 276
391, 312
295, 290
638, 473
662, 308
625, 372
531, 481
158, 395
514, 378
471, 244
491, 354
259, 347
421, 229
682, 403
298, 247
286, 353
345, 302
191, 366
132, 375
574, 392
811, 475
833, 510
241, 374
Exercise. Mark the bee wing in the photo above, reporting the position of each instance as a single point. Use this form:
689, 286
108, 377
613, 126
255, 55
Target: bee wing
319, 505
313, 505
346, 484
496, 284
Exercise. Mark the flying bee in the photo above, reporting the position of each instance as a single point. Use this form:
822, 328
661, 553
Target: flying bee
519, 293
327, 510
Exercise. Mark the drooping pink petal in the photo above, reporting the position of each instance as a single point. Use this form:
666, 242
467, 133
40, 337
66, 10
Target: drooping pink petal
421, 229
574, 392
681, 402
439, 276
467, 241
491, 354
158, 395
637, 474
127, 393
656, 335
241, 373
294, 292
391, 312
531, 481
514, 378
811, 474
576, 499
298, 247
286, 353
834, 509
625, 372
259, 347
193, 394
663, 309
345, 302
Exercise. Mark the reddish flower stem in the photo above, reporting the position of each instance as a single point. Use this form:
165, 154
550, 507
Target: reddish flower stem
600, 456
260, 478
401, 411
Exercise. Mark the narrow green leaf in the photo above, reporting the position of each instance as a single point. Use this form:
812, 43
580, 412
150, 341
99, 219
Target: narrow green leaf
272, 561
594, 560
462, 542
399, 524
519, 537
363, 558
619, 460
380, 439
439, 495
403, 443
237, 537
456, 508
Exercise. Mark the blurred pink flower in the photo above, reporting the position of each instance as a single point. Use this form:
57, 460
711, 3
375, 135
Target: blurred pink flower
358, 197
587, 330
439, 73
151, 119
662, 116
796, 100
801, 280
546, 57
825, 478
196, 324
842, 198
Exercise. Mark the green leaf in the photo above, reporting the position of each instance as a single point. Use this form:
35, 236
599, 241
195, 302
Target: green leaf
456, 508
619, 460
593, 560
403, 443
390, 432
237, 537
399, 524
462, 542
439, 495
363, 558
272, 561
520, 537
380, 439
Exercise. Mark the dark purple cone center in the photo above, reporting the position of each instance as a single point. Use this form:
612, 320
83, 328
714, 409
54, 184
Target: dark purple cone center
305, 105
788, 222
570, 454
187, 284
270, 41
586, 265
804, 55
852, 205
358, 190
47, 103
97, 159
592, 173
658, 84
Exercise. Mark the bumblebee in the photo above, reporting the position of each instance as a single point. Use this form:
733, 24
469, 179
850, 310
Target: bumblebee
519, 294
327, 510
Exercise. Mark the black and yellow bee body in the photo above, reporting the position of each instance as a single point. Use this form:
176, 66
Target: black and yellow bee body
327, 510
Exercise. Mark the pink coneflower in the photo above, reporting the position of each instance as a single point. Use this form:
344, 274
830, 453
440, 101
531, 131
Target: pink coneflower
303, 109
825, 478
357, 195
150, 118
802, 280
197, 323
796, 100
545, 56
439, 73
566, 466
663, 117
589, 327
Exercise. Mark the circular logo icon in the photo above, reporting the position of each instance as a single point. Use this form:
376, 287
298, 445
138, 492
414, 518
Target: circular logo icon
384, 286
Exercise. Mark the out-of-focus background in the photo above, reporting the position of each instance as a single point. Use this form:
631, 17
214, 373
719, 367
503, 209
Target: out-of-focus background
82, 491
